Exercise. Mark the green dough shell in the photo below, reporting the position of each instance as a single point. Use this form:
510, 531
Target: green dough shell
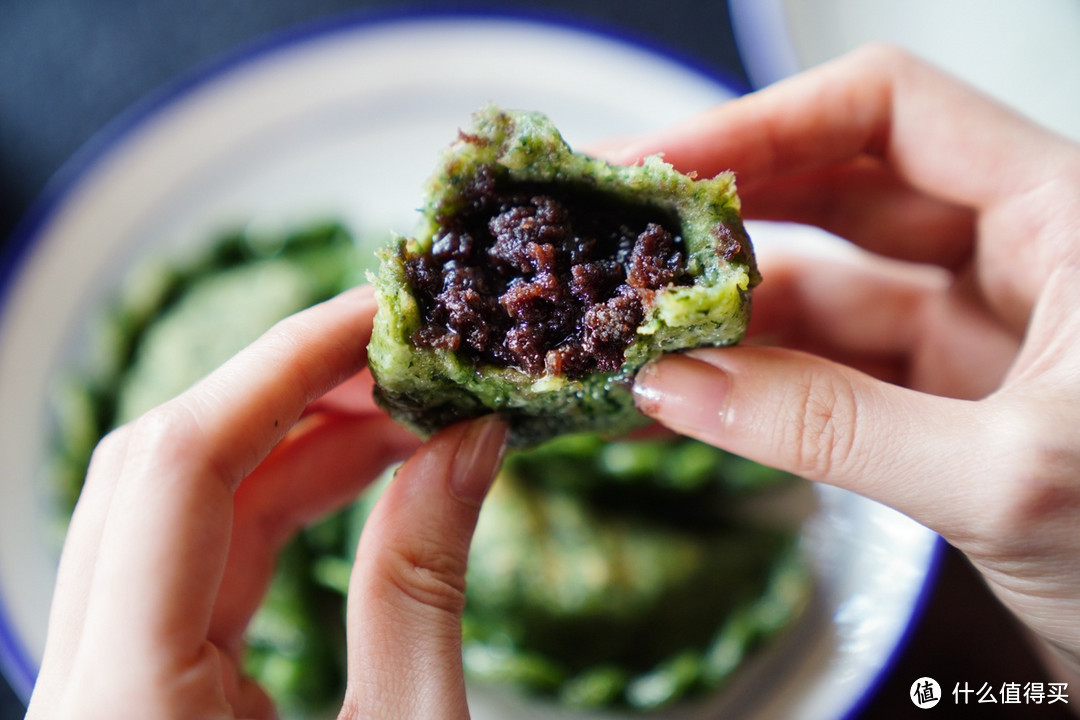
427, 388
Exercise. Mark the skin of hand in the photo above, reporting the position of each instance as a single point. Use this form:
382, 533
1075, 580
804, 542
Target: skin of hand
939, 372
172, 545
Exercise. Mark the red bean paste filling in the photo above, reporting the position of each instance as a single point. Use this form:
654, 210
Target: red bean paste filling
548, 279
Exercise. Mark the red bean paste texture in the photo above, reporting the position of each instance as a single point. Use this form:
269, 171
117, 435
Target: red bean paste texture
545, 278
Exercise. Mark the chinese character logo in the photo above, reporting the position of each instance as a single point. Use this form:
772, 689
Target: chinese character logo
925, 693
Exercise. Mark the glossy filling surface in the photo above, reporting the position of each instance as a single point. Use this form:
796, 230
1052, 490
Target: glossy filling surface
550, 279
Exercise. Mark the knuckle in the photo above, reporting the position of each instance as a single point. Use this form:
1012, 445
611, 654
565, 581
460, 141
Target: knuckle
427, 574
169, 417
112, 447
166, 427
172, 435
823, 431
1040, 480
1035, 498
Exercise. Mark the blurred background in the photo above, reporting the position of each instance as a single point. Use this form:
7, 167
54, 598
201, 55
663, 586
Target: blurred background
69, 68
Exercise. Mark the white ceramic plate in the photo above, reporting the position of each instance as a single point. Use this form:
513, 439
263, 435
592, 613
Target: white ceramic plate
345, 121
1024, 53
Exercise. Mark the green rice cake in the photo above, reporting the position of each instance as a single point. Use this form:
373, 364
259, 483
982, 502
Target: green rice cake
539, 280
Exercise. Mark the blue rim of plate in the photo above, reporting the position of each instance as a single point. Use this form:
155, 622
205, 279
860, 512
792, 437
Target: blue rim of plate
918, 609
15, 663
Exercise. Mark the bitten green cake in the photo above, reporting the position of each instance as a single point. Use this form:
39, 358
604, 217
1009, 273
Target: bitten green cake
539, 280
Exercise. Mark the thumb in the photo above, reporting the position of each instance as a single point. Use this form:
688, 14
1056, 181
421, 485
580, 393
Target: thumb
407, 590
825, 422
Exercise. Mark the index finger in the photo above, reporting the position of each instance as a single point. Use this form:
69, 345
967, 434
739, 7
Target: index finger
951, 150
166, 538
941, 137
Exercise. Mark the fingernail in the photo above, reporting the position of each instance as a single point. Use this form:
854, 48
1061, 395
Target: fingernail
684, 393
478, 458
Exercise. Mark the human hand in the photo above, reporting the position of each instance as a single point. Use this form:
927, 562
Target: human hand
939, 373
172, 545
